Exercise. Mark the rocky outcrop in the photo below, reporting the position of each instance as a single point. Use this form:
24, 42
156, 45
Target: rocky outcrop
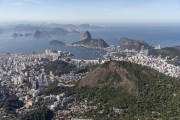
98, 43
87, 40
86, 36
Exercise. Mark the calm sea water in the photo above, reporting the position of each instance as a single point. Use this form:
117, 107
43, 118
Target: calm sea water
165, 36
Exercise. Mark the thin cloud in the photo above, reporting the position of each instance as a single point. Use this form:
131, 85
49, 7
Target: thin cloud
22, 2
34, 1
18, 4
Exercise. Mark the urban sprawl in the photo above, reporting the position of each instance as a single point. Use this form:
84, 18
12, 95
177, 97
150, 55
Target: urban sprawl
18, 72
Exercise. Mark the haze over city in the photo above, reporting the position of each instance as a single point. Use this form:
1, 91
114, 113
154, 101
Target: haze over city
91, 11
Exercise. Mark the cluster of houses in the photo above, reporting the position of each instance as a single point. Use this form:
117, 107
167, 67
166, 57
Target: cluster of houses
26, 77
142, 57
158, 64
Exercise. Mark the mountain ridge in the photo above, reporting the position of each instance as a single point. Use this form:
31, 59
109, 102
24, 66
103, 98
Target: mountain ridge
147, 94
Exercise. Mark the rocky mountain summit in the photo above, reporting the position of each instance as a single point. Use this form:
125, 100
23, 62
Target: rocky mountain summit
87, 40
86, 36
104, 74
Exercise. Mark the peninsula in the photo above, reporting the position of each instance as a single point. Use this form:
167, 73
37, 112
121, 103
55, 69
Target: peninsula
87, 40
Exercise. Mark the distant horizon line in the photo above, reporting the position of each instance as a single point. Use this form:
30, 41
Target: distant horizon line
91, 23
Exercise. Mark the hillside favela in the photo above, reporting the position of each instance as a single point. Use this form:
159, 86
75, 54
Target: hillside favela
89, 60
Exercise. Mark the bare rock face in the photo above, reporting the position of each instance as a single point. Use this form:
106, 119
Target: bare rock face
86, 36
104, 74
98, 43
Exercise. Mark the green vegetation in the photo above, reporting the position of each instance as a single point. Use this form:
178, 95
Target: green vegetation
155, 96
12, 103
171, 52
9, 102
140, 93
54, 89
41, 113
167, 51
59, 67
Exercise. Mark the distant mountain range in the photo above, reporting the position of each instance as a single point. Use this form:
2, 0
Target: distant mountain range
28, 27
61, 31
47, 30
81, 27
68, 27
87, 40
46, 33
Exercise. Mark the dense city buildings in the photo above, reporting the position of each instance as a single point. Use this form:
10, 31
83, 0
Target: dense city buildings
27, 77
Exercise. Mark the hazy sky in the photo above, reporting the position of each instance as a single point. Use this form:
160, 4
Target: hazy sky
91, 11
